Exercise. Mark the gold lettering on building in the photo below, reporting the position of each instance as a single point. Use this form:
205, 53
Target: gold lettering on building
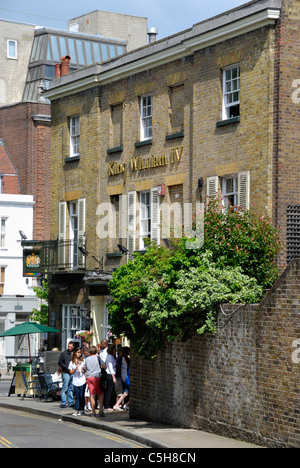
115, 168
140, 164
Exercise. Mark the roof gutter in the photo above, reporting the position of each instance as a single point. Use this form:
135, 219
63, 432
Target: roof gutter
202, 35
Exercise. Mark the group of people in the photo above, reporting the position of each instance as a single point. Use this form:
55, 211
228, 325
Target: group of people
96, 376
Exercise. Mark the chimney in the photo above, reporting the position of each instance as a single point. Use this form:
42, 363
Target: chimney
62, 68
152, 33
57, 70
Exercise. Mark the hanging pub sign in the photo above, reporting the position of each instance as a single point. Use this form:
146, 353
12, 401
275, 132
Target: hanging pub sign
32, 264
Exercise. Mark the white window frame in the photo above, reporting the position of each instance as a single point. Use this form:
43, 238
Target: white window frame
240, 192
146, 107
131, 223
73, 233
231, 86
71, 323
74, 136
145, 217
15, 56
227, 195
2, 231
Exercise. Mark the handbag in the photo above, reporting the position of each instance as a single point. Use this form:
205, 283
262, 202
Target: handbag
127, 380
103, 375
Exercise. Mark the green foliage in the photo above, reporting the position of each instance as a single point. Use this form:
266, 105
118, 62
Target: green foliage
41, 315
166, 294
241, 237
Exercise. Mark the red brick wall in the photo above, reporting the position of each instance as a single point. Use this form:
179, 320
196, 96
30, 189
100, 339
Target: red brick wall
242, 382
286, 187
29, 145
10, 181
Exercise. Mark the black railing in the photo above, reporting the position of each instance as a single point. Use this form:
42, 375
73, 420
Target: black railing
63, 256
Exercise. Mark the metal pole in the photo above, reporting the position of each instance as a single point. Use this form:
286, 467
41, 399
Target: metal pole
29, 349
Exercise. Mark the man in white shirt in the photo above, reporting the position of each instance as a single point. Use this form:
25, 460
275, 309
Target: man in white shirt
103, 350
103, 355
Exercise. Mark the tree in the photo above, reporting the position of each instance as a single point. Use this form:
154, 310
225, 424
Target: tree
41, 315
166, 294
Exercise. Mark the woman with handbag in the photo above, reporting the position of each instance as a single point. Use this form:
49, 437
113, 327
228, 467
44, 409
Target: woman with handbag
125, 374
76, 368
92, 366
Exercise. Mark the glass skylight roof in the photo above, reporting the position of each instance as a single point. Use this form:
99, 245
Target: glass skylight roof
50, 45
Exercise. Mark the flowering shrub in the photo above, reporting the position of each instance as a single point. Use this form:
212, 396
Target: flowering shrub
85, 336
174, 293
242, 238
110, 335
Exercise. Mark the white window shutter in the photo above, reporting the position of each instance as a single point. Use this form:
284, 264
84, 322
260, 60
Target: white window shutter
155, 216
212, 186
131, 224
81, 230
62, 210
81, 219
244, 190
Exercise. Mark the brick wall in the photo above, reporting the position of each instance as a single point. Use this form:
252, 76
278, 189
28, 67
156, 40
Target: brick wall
286, 190
187, 95
241, 382
28, 142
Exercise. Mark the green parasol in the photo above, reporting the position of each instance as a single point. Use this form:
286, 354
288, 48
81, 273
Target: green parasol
27, 328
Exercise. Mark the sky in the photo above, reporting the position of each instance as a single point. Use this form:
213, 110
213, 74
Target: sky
169, 16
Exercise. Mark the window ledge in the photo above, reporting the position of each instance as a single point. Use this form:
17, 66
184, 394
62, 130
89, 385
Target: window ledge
233, 120
114, 254
72, 158
137, 144
116, 149
141, 252
172, 136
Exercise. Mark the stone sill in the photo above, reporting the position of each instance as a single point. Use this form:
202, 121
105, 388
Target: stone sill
233, 120
72, 158
175, 135
114, 254
117, 149
137, 144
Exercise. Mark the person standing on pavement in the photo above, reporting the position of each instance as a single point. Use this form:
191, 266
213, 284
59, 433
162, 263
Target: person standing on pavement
77, 370
110, 394
103, 350
67, 398
119, 383
103, 355
125, 375
92, 366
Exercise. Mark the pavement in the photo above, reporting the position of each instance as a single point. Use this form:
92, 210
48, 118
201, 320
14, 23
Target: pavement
151, 434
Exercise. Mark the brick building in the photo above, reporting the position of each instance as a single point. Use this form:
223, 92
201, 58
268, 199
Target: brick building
25, 129
31, 58
212, 109
17, 298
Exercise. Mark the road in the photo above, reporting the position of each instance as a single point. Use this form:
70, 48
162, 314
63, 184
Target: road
4, 387
22, 430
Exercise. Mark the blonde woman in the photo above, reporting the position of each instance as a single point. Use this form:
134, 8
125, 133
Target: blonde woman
77, 370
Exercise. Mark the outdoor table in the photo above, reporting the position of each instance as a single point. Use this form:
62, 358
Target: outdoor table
19, 382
